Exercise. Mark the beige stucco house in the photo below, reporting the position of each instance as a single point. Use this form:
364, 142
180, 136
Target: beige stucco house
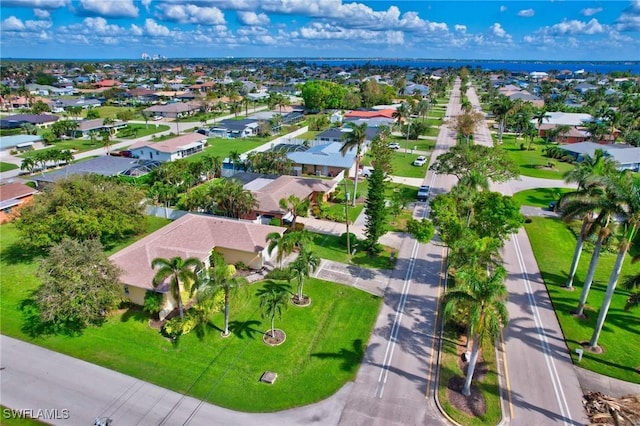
190, 236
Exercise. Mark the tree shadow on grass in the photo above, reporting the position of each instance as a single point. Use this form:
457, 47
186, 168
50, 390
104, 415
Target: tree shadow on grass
34, 326
270, 285
244, 329
350, 358
134, 313
19, 253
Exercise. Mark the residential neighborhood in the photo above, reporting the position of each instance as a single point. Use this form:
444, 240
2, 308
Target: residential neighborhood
255, 225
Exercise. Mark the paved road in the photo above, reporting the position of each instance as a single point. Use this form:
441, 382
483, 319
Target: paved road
542, 385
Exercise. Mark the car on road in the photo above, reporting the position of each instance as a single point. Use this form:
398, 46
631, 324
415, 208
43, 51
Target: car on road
394, 145
423, 193
366, 171
420, 161
157, 118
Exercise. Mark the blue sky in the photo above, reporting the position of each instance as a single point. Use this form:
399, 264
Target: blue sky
507, 30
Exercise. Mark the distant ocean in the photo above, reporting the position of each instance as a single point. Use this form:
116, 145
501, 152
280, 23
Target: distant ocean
603, 67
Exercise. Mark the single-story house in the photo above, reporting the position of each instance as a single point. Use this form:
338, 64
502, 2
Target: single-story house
171, 149
17, 120
174, 110
628, 157
573, 135
337, 134
19, 142
105, 165
86, 127
59, 105
323, 160
190, 236
238, 128
268, 191
12, 197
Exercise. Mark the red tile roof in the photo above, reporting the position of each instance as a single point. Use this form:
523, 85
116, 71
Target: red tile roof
10, 191
383, 113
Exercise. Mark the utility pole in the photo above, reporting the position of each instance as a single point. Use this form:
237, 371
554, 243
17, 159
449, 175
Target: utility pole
346, 216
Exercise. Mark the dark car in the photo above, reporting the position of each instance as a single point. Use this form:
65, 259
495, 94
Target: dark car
423, 193
126, 153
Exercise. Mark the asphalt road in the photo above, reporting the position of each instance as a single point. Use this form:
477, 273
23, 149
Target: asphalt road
541, 383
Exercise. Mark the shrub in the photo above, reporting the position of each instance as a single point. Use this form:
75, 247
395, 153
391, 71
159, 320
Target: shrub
353, 239
279, 274
152, 302
275, 222
421, 230
176, 327
298, 227
241, 266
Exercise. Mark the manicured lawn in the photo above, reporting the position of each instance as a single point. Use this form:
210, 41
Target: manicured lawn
324, 346
223, 147
110, 111
330, 247
337, 210
5, 167
539, 197
553, 245
533, 163
134, 130
402, 164
450, 367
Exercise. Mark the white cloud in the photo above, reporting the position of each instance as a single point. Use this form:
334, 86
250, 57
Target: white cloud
136, 30
100, 26
526, 13
191, 14
497, 30
323, 31
145, 4
503, 8
110, 9
575, 27
36, 4
252, 18
41, 13
629, 20
13, 24
590, 11
152, 28
460, 28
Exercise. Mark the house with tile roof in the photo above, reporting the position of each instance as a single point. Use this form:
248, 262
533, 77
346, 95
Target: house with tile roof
627, 157
324, 159
196, 236
170, 149
13, 196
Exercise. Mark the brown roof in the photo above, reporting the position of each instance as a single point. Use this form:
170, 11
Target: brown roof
11, 191
173, 144
190, 236
269, 196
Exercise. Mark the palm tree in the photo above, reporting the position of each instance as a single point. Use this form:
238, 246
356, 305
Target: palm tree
540, 115
355, 138
221, 277
29, 164
633, 282
306, 263
625, 187
282, 242
293, 204
485, 297
272, 303
233, 200
401, 114
181, 274
501, 108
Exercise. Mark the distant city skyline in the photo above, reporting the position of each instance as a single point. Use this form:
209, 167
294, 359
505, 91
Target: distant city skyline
491, 30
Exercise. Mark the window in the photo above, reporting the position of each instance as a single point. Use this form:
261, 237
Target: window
126, 289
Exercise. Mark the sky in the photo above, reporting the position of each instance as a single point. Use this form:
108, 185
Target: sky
448, 29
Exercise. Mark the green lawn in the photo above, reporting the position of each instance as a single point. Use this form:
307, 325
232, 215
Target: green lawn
5, 167
553, 245
533, 163
330, 247
539, 197
135, 130
324, 346
223, 147
402, 164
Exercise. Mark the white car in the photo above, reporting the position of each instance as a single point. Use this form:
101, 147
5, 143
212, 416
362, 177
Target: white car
420, 161
394, 145
366, 171
157, 118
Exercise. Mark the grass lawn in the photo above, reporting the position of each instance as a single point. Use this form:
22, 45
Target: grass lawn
330, 247
135, 130
223, 147
324, 346
337, 210
402, 164
450, 367
553, 244
533, 163
539, 197
5, 167
110, 111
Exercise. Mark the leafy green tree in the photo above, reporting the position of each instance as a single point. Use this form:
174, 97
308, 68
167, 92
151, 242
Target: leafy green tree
422, 230
153, 302
82, 207
181, 274
462, 160
306, 263
355, 139
92, 114
272, 303
76, 293
221, 277
484, 297
232, 200
39, 107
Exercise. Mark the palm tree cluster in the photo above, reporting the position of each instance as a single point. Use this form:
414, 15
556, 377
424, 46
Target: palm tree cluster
41, 159
603, 194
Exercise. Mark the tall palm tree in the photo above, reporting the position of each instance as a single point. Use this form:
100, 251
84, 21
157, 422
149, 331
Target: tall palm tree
294, 204
272, 303
401, 114
501, 108
626, 188
281, 242
355, 138
306, 263
633, 282
540, 115
485, 297
220, 277
181, 274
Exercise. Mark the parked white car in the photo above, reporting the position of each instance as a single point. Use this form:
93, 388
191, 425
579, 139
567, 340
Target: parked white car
420, 161
394, 145
366, 171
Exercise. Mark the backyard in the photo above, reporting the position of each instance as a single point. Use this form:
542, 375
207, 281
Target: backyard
533, 163
324, 345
